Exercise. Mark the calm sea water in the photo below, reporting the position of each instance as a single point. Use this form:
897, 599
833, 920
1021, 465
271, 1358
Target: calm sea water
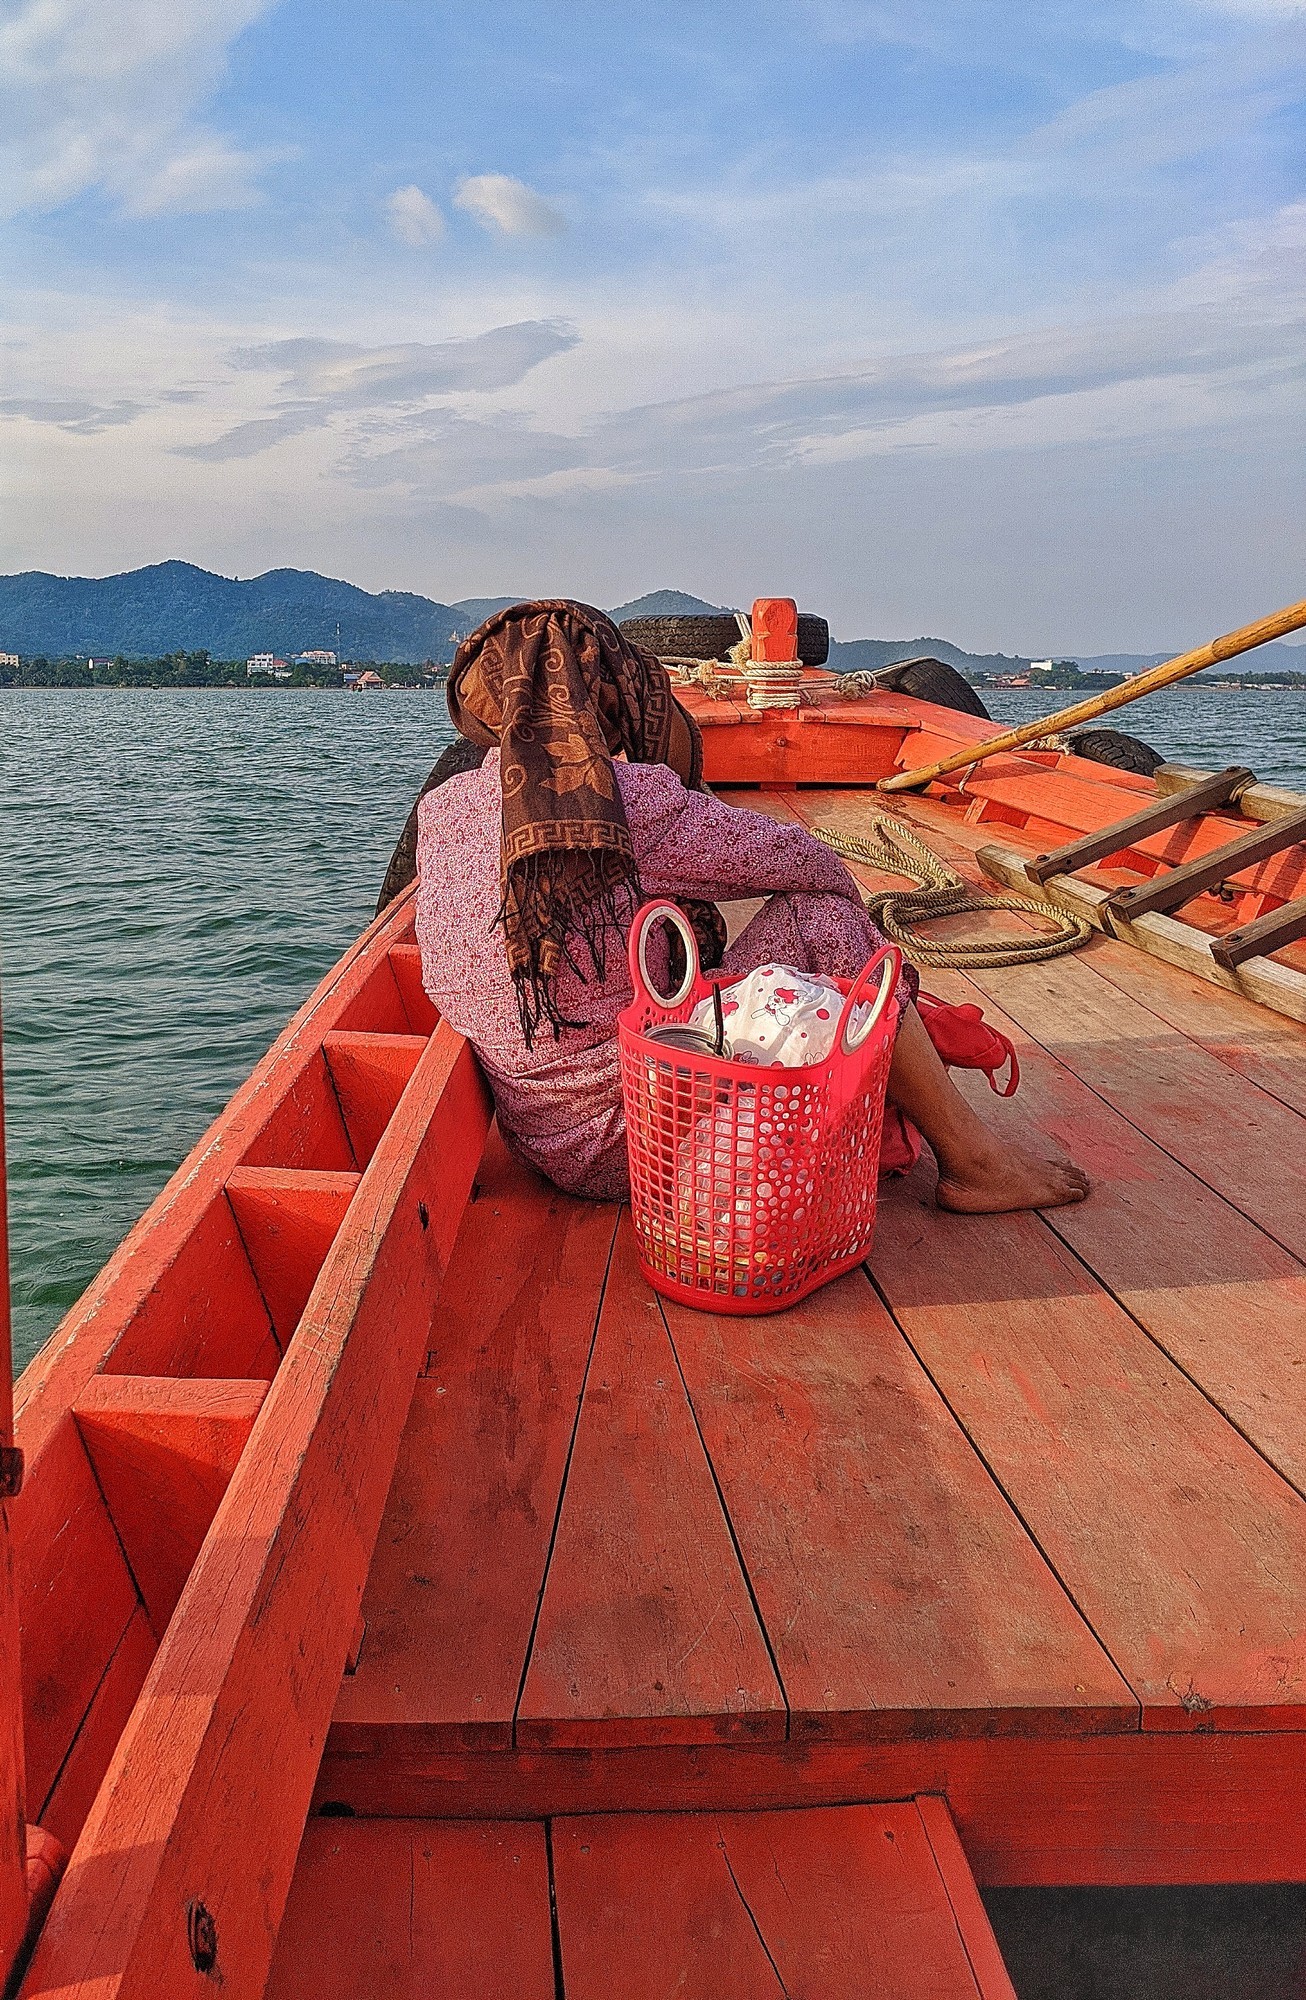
178, 869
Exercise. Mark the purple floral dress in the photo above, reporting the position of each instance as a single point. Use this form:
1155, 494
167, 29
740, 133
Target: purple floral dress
559, 1102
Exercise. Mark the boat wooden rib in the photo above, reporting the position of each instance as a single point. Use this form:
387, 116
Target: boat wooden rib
411, 1604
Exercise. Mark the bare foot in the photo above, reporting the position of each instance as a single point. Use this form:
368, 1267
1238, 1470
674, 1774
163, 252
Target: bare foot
997, 1178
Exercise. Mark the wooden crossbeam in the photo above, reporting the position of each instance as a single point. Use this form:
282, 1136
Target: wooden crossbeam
1266, 980
1164, 812
1179, 885
1286, 925
1258, 802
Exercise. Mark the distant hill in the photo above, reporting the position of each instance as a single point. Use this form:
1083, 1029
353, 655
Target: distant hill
175, 606
864, 655
1279, 656
475, 610
666, 604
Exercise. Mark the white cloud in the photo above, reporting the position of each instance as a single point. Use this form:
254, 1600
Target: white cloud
104, 97
325, 379
356, 377
497, 201
414, 217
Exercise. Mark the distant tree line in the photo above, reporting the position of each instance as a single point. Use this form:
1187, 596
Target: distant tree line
199, 670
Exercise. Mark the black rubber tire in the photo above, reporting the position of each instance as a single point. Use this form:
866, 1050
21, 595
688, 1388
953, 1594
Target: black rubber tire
711, 638
1112, 746
927, 679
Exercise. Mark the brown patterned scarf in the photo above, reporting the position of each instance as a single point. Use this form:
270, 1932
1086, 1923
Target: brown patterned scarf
560, 691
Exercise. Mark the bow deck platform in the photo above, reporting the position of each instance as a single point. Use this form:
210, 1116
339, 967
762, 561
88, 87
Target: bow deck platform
1017, 1518
735, 1651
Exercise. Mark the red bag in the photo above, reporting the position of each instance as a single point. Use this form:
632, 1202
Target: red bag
964, 1040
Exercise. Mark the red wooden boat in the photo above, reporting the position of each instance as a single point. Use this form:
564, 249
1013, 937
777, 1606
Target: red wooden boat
410, 1604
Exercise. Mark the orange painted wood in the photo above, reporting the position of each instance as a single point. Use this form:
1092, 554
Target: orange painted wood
163, 1452
219, 1756
75, 1596
377, 1008
404, 1910
287, 1220
648, 1907
852, 1900
872, 1534
13, 1806
370, 1074
69, 1801
1224, 1301
775, 628
1135, 1807
840, 1903
306, 1129
460, 1560
1182, 1548
1267, 1049
1244, 1144
646, 1631
991, 1975
406, 965
204, 1314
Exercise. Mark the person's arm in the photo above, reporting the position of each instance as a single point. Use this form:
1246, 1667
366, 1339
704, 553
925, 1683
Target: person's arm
692, 844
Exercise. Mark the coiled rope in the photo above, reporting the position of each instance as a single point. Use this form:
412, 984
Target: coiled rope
896, 849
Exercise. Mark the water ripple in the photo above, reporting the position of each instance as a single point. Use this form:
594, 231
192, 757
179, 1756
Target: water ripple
177, 870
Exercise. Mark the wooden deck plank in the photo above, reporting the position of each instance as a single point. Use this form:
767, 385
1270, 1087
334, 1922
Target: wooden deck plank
1247, 1146
1183, 1549
839, 1903
415, 1910
872, 1534
647, 1907
646, 1630
1222, 1298
1267, 1049
459, 1564
851, 1900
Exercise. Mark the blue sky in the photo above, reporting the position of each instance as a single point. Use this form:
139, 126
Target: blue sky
970, 319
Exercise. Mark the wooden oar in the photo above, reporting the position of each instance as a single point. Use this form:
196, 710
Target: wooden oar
1291, 619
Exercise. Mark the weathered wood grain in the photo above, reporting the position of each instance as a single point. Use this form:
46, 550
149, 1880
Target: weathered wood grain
1182, 1548
415, 1910
873, 1534
460, 1560
370, 1073
841, 1903
1151, 1806
646, 1628
65, 1807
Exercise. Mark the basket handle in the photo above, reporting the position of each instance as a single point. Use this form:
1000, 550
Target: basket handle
654, 913
887, 962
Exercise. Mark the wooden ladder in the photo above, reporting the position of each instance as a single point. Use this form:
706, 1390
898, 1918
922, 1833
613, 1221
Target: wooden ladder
1132, 913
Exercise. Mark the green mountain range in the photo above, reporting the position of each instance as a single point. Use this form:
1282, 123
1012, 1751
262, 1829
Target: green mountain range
175, 606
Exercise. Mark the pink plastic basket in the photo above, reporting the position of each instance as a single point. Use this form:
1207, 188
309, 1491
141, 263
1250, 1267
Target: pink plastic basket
750, 1187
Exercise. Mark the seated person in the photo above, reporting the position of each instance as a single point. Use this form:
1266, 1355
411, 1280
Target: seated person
531, 868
